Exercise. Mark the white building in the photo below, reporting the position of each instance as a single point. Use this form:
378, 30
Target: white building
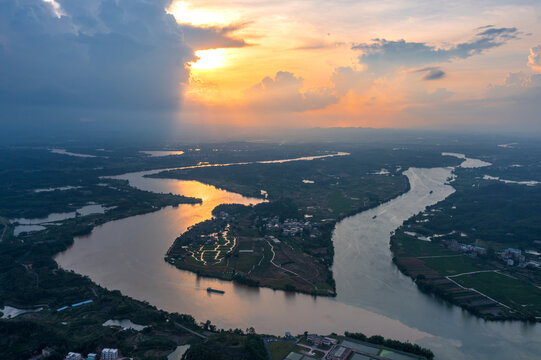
74, 356
109, 354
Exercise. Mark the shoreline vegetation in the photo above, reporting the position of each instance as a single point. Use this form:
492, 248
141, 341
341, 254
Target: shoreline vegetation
465, 261
285, 243
323, 190
29, 275
392, 344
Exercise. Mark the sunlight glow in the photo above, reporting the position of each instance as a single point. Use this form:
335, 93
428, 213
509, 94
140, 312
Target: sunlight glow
184, 13
208, 59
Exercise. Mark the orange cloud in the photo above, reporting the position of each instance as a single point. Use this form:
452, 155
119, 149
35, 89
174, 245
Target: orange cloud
534, 59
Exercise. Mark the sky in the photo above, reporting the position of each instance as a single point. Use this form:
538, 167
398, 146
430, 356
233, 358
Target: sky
210, 64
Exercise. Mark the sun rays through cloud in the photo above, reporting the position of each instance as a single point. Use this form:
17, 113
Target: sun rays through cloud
209, 59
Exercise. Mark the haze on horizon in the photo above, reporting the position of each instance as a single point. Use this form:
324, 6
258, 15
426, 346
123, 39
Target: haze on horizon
205, 66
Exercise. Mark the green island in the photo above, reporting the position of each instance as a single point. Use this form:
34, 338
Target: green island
480, 247
240, 245
286, 242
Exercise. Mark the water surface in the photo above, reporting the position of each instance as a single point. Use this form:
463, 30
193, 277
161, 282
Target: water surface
373, 296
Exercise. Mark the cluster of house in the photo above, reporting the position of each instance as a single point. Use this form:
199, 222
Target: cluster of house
466, 248
223, 215
337, 352
106, 354
321, 340
514, 257
208, 239
289, 227
343, 349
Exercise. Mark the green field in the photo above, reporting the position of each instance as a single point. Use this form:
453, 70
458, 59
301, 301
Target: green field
279, 349
455, 264
323, 286
245, 262
515, 293
339, 203
404, 245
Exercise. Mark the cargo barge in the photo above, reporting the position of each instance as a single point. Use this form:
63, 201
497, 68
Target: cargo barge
209, 289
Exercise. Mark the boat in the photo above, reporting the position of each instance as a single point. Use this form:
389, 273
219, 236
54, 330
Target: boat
209, 289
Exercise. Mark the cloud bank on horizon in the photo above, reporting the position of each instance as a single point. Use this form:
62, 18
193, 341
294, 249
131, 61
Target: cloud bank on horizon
311, 63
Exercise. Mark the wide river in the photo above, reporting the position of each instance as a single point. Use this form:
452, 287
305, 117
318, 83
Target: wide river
373, 296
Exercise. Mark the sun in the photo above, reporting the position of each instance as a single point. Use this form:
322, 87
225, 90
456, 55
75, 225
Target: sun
208, 59
186, 13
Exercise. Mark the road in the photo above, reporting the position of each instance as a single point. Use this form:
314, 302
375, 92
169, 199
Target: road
473, 272
438, 256
475, 290
189, 330
281, 268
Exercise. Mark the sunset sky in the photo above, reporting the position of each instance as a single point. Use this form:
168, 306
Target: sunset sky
300, 63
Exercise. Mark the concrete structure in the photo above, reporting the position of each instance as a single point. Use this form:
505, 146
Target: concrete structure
479, 250
273, 239
339, 352
320, 340
74, 356
513, 257
109, 354
82, 303
46, 352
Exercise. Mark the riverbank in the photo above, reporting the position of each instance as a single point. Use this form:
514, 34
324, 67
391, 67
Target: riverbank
457, 255
368, 284
287, 242
478, 282
63, 311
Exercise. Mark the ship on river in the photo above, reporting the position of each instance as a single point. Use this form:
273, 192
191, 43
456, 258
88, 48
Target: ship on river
211, 290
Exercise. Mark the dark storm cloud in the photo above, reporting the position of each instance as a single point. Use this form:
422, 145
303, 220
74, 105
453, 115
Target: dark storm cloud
99, 54
383, 54
116, 64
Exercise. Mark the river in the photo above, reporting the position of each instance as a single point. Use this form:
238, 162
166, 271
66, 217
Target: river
373, 296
